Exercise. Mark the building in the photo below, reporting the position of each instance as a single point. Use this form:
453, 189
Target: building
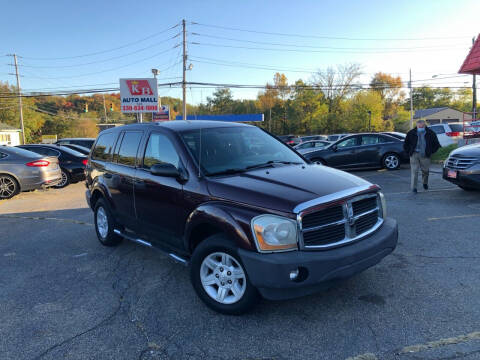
9, 135
441, 115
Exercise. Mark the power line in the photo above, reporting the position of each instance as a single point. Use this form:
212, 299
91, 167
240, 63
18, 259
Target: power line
324, 36
100, 61
313, 51
103, 51
107, 70
323, 47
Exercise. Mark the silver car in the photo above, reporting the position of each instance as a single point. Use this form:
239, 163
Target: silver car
23, 170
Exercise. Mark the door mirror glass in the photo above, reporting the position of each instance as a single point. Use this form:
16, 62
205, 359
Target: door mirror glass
165, 169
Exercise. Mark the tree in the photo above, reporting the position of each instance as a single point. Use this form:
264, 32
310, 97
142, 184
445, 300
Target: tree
221, 102
389, 89
281, 84
357, 116
337, 84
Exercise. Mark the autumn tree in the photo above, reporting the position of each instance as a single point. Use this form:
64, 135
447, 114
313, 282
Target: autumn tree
390, 90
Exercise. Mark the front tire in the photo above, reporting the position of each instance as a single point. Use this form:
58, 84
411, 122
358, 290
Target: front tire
391, 161
8, 187
219, 277
104, 224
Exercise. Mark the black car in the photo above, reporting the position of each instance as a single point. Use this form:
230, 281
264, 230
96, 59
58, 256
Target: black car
81, 149
246, 212
71, 162
463, 167
395, 134
291, 140
85, 142
361, 151
312, 137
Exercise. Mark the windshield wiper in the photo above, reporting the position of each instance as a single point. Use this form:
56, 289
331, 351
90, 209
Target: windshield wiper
227, 172
270, 163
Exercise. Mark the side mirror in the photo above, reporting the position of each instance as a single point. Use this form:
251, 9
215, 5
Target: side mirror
334, 147
168, 170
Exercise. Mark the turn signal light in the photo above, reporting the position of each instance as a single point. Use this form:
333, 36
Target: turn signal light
38, 163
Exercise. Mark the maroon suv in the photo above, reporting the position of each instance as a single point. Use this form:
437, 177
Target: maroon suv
246, 212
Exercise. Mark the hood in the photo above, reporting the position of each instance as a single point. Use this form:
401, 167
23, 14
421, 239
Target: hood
283, 187
472, 150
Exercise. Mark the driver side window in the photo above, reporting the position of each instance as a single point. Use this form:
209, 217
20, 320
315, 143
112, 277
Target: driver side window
160, 150
347, 143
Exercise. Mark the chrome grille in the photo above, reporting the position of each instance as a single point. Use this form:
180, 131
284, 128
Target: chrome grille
460, 163
341, 223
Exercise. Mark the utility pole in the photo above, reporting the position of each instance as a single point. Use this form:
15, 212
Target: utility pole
104, 109
474, 89
184, 82
19, 96
411, 100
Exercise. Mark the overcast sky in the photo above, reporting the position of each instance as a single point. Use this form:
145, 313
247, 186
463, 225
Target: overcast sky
103, 41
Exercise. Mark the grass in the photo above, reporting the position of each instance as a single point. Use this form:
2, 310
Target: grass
443, 153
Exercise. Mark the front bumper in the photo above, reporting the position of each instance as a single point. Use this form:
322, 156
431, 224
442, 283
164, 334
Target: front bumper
269, 273
467, 178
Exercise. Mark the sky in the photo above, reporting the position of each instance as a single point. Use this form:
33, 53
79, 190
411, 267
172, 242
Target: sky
91, 44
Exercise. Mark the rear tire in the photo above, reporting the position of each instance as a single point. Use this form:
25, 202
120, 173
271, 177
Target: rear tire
65, 180
104, 224
8, 187
219, 277
391, 161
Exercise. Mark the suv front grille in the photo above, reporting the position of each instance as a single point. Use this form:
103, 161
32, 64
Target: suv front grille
460, 163
341, 223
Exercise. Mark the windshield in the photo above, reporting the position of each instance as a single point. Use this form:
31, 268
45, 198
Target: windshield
236, 149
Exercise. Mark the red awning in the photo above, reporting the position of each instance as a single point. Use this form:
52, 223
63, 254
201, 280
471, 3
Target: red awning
471, 65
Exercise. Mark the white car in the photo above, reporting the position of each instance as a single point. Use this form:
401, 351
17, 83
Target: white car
448, 134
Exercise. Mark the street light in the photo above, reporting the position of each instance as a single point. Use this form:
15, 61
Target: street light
369, 121
155, 72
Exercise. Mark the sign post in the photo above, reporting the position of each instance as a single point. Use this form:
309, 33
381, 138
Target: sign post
138, 96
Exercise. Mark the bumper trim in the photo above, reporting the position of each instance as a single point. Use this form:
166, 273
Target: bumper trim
270, 272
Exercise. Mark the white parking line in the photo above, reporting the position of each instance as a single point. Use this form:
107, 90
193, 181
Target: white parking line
367, 356
442, 342
453, 217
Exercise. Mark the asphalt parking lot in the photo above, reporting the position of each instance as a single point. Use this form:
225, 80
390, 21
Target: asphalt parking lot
64, 296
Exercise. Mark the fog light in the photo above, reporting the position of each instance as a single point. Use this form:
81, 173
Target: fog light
294, 274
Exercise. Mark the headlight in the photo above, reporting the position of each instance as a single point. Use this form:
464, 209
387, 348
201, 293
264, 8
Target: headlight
383, 204
274, 233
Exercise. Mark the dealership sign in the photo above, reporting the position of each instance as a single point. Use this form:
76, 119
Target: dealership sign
138, 95
162, 115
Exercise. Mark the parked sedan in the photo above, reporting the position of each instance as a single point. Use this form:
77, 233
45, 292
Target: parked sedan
463, 167
22, 170
361, 151
311, 145
86, 142
291, 140
72, 163
81, 149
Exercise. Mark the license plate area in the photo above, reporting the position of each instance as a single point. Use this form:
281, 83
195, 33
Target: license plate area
452, 174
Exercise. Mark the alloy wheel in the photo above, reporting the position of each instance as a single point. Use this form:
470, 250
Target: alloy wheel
391, 162
7, 187
223, 278
102, 222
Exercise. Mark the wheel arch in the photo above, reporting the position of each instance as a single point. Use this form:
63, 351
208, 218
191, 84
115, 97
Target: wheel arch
19, 183
210, 219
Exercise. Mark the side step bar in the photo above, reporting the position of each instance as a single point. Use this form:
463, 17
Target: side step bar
173, 256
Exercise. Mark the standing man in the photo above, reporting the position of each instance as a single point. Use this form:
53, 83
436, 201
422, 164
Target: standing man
420, 144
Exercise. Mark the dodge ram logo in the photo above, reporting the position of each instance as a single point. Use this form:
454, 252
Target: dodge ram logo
350, 216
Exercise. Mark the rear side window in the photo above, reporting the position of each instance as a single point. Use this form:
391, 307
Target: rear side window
160, 150
103, 147
371, 140
438, 129
456, 127
127, 152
